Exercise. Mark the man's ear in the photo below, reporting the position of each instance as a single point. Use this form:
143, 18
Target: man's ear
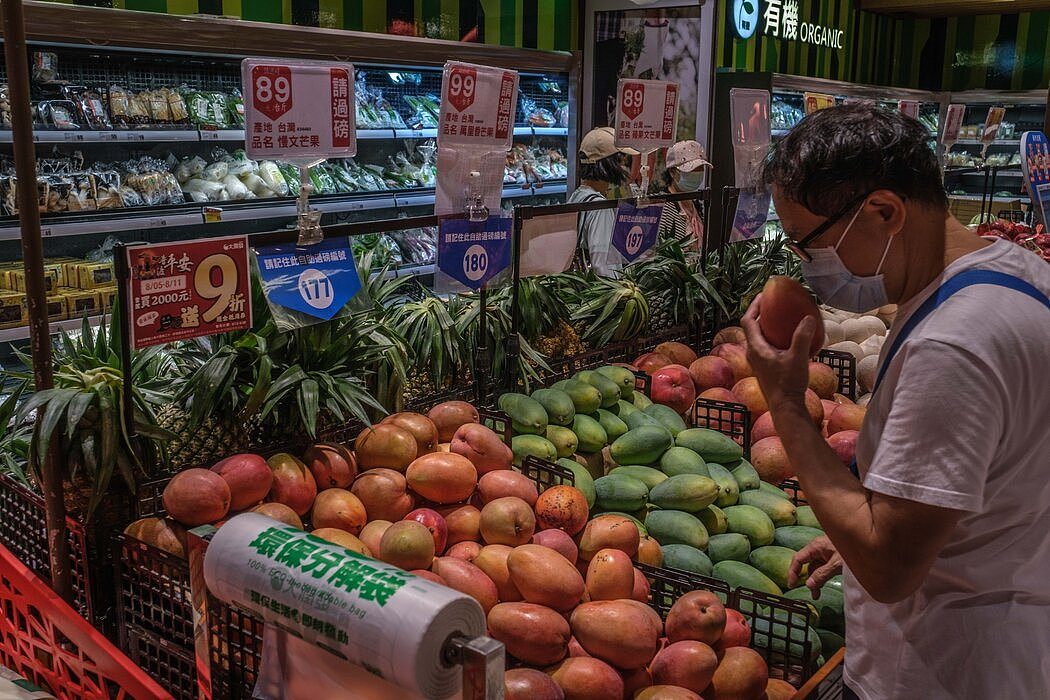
890, 208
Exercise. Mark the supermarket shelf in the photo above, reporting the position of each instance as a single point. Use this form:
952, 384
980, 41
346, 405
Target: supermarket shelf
977, 198
222, 212
8, 335
997, 142
541, 131
221, 134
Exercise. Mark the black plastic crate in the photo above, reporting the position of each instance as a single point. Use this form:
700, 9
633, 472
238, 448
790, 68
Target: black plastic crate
780, 632
23, 530
155, 593
845, 366
498, 421
794, 490
667, 585
174, 667
643, 382
466, 391
234, 648
732, 419
677, 334
546, 474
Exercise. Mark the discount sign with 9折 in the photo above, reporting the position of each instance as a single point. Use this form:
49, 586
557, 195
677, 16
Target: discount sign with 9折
188, 289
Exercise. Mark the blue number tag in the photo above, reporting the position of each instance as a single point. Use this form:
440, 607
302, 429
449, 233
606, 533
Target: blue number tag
636, 229
317, 280
474, 252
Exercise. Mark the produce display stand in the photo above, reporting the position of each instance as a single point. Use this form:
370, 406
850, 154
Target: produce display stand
54, 647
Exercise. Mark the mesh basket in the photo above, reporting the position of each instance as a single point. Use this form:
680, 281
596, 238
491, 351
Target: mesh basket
792, 488
234, 647
666, 586
173, 666
23, 530
546, 474
732, 419
780, 632
498, 422
845, 366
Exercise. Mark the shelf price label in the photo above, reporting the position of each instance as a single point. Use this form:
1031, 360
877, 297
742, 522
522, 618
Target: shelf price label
301, 111
316, 280
952, 124
188, 289
646, 114
992, 123
909, 108
816, 101
477, 105
635, 231
473, 252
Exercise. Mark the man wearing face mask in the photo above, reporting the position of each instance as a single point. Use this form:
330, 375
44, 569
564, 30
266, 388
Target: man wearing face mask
943, 523
685, 173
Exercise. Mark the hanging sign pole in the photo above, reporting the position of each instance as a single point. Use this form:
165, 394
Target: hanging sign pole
52, 474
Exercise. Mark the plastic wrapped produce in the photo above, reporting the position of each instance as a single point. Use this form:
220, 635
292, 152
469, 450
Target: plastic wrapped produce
291, 177
256, 185
189, 167
273, 178
216, 171
239, 164
5, 106
60, 114
235, 188
209, 188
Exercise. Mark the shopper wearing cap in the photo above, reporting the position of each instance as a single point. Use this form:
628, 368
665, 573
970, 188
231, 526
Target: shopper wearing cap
601, 166
943, 524
685, 173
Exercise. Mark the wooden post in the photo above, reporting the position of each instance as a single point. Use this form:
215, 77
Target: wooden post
51, 474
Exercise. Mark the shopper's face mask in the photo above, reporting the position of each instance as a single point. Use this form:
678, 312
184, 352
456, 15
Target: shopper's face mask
690, 182
836, 285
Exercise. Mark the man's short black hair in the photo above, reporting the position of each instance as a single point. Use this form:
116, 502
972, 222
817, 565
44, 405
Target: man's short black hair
609, 169
840, 153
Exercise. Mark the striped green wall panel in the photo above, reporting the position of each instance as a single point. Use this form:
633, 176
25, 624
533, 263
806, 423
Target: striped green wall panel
542, 24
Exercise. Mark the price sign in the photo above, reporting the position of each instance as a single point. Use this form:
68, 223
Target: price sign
816, 101
188, 289
646, 114
299, 110
952, 124
636, 229
316, 280
477, 105
1035, 162
473, 252
992, 123
909, 108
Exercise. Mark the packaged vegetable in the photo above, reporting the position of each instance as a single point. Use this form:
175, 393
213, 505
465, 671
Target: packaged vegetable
157, 103
273, 178
234, 187
176, 106
216, 171
118, 106
138, 109
61, 114
256, 184
209, 188
239, 164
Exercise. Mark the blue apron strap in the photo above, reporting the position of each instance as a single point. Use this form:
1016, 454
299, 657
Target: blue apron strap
955, 284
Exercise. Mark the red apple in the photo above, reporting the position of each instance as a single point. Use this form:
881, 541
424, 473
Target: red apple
672, 386
651, 361
710, 372
845, 445
433, 521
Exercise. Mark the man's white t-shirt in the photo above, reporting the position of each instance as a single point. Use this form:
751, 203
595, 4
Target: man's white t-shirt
960, 421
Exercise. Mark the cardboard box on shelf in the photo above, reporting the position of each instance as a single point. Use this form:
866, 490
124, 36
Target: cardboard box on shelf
13, 311
80, 302
109, 297
94, 275
16, 279
56, 307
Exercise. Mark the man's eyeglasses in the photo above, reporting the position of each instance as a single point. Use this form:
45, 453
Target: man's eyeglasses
799, 248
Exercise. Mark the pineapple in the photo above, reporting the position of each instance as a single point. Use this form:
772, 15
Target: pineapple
216, 437
613, 310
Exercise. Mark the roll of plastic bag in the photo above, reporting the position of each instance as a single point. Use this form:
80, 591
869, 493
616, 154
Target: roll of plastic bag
376, 616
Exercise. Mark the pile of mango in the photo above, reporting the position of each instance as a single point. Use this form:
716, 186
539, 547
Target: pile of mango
689, 490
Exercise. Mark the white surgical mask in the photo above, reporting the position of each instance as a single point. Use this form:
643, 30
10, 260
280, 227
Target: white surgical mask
690, 182
837, 286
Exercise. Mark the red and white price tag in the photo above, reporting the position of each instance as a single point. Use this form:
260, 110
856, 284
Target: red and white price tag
953, 123
646, 114
298, 110
909, 108
992, 123
477, 105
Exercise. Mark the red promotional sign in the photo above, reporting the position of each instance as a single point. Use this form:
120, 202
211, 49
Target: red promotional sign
272, 90
462, 83
300, 111
477, 105
633, 97
646, 114
188, 289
